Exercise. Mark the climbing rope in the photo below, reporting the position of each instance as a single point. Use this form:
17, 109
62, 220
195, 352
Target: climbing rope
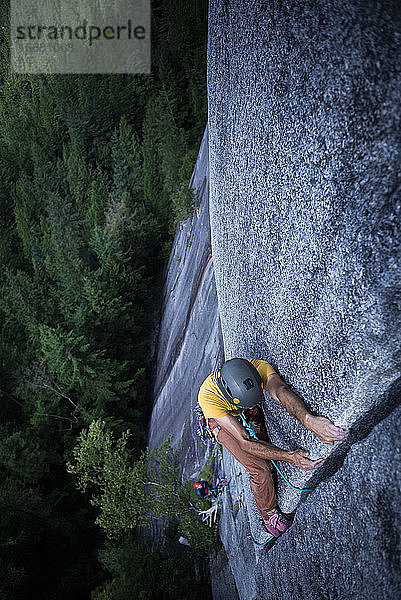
251, 432
271, 538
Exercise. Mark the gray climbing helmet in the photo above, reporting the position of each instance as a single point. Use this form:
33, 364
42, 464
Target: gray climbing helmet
240, 383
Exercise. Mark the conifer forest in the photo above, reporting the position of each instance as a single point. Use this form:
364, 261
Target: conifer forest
94, 174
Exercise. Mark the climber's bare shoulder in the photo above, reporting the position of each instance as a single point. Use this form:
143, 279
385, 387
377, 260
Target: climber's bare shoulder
273, 385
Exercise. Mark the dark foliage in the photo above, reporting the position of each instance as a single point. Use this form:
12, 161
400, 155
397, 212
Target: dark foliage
89, 165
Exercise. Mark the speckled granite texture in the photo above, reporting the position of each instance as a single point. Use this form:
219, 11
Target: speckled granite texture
345, 541
305, 204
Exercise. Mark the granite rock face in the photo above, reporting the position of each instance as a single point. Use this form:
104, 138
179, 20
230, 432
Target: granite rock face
304, 177
345, 540
189, 342
305, 204
189, 347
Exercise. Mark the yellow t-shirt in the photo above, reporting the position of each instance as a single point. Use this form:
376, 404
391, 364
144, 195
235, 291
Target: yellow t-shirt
212, 401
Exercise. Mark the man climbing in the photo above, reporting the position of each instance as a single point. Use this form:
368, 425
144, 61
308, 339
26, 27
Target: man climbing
238, 386
204, 490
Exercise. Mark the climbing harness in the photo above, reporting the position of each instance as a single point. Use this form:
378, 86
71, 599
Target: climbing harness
252, 433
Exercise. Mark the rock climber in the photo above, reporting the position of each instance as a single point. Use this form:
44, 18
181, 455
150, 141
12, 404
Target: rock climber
204, 490
238, 386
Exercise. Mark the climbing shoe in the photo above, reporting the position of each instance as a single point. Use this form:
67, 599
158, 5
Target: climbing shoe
276, 523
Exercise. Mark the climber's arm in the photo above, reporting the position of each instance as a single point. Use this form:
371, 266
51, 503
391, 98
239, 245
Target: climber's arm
326, 431
264, 449
291, 402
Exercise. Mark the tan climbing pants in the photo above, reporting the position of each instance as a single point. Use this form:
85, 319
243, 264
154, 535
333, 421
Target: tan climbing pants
259, 469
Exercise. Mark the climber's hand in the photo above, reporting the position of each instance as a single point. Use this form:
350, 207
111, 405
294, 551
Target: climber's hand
300, 458
326, 431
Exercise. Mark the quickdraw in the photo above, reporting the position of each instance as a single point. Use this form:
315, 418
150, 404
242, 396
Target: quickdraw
203, 429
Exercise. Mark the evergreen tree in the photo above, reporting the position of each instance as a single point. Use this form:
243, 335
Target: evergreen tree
91, 167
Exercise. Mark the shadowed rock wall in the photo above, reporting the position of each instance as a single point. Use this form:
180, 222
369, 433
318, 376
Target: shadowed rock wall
189, 347
189, 342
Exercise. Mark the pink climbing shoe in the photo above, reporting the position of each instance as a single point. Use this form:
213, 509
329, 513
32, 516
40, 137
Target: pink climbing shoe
276, 523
